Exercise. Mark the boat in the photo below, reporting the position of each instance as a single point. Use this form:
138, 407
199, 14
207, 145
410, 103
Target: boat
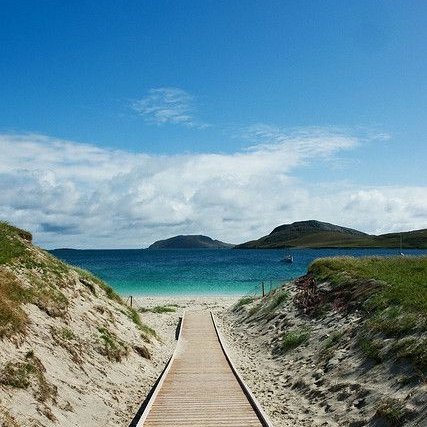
289, 259
401, 246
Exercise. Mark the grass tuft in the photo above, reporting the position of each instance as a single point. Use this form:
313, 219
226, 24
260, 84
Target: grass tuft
113, 348
244, 301
392, 411
22, 374
158, 309
89, 280
293, 339
371, 348
13, 318
11, 246
278, 298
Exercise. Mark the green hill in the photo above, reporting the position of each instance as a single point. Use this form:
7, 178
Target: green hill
317, 234
190, 242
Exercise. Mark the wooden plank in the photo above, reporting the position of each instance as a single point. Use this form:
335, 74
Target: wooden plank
199, 387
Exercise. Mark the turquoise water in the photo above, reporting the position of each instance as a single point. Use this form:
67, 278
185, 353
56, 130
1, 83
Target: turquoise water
200, 272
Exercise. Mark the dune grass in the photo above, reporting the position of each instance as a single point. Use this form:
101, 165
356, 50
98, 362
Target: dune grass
244, 301
395, 309
19, 374
11, 247
403, 278
278, 298
89, 279
113, 348
293, 339
159, 309
13, 318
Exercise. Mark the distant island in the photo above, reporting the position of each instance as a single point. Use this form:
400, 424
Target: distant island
190, 242
317, 234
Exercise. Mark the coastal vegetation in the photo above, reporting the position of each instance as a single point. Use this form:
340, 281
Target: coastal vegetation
294, 338
337, 332
159, 309
57, 321
395, 309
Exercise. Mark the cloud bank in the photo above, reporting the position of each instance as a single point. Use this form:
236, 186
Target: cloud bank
79, 195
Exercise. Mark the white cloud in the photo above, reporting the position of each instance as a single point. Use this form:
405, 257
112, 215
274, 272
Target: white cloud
168, 105
80, 195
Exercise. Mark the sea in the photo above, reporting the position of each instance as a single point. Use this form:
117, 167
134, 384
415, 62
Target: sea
196, 272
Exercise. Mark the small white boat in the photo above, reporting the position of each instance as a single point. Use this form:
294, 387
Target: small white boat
289, 259
401, 246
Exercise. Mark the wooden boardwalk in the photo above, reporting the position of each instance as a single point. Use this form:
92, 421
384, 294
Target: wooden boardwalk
199, 387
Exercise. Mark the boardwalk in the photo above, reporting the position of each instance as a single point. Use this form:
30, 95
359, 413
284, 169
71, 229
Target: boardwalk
199, 388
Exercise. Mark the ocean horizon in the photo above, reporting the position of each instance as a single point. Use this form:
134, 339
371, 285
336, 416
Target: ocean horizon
202, 272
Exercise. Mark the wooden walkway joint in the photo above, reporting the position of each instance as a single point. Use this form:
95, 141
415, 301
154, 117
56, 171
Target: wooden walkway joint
200, 386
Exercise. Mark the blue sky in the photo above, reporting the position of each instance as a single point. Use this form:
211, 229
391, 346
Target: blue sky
178, 81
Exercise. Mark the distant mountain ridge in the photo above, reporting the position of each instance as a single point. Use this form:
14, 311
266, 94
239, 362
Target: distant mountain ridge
190, 242
317, 234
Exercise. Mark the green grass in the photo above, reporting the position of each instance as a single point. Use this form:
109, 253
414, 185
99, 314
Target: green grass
278, 298
403, 278
158, 309
413, 349
393, 322
255, 309
163, 309
329, 346
394, 303
66, 334
392, 411
113, 348
147, 332
244, 301
134, 316
371, 347
89, 279
293, 339
334, 339
11, 246
13, 318
19, 374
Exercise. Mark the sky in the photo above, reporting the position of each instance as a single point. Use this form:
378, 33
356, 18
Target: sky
122, 123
